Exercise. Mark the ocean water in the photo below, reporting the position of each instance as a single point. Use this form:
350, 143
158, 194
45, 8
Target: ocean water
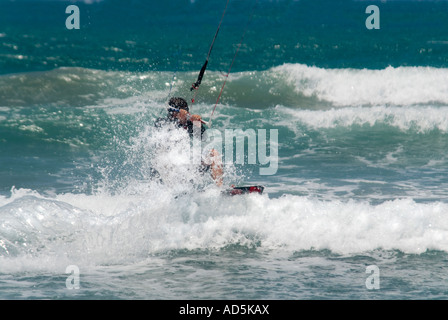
361, 181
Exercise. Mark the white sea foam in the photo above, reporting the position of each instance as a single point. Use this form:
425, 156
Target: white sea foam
343, 87
98, 229
419, 118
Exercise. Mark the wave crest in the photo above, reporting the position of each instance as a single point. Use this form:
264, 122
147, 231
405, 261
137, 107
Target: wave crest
402, 86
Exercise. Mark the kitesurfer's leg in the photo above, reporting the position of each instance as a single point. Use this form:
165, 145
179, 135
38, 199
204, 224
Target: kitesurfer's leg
216, 167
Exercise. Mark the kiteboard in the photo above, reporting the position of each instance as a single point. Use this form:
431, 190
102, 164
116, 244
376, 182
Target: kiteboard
232, 191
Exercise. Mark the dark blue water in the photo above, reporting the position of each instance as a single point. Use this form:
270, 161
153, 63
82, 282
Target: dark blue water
145, 35
360, 178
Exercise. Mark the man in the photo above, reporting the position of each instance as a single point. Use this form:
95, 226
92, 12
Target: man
180, 116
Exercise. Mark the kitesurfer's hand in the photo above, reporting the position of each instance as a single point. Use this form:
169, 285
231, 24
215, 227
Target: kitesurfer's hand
196, 119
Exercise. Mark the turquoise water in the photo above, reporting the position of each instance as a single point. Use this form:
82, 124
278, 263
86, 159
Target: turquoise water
362, 122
